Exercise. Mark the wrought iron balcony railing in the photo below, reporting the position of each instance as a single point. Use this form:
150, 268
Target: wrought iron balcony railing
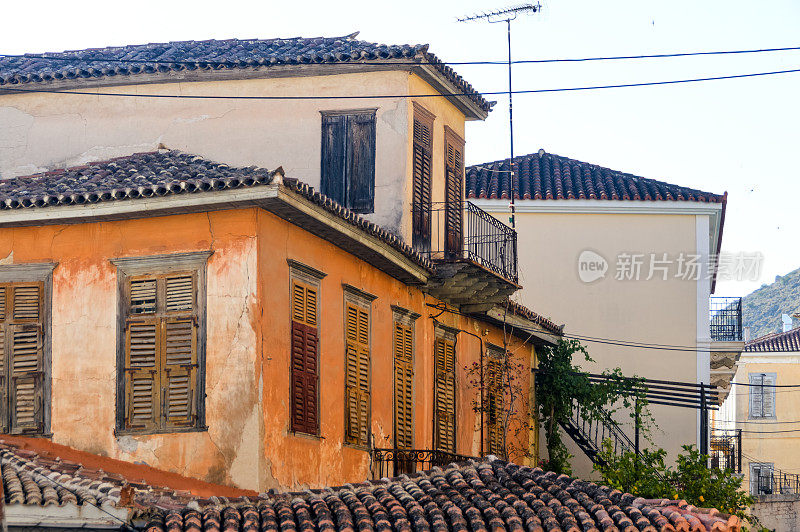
461, 230
393, 462
726, 450
766, 481
726, 319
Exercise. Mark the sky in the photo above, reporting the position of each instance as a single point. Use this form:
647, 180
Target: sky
739, 136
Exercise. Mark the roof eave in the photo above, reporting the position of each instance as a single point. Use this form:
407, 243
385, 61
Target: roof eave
520, 326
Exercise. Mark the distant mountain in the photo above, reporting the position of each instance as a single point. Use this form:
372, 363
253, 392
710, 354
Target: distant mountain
762, 308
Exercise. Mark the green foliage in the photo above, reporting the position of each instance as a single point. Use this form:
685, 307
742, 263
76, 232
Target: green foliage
691, 479
762, 308
560, 385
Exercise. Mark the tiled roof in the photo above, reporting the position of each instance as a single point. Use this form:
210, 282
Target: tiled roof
477, 496
525, 312
214, 55
544, 175
164, 173
788, 341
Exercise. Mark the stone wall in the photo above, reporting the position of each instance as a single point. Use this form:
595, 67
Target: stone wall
778, 512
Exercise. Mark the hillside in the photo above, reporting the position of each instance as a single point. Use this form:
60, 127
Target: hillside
762, 308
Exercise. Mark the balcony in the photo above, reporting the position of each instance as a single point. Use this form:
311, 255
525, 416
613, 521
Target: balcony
394, 462
475, 253
726, 319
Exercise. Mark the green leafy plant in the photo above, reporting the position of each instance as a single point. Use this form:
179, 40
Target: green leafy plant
560, 387
648, 476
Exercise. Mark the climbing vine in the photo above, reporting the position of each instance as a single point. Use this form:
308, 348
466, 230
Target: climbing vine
561, 386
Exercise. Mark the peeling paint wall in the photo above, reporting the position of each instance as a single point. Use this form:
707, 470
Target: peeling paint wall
248, 443
46, 131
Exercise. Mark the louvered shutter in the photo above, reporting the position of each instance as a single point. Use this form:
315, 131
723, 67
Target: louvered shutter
25, 359
361, 171
454, 179
495, 406
305, 410
142, 376
357, 375
403, 386
421, 185
334, 136
444, 395
3, 380
179, 372
769, 396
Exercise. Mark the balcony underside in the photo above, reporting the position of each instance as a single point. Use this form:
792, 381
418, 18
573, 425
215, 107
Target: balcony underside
724, 356
464, 282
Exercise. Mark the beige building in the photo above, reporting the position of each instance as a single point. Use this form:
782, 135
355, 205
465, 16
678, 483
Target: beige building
623, 260
767, 413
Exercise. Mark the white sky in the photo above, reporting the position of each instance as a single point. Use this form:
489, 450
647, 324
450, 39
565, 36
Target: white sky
736, 135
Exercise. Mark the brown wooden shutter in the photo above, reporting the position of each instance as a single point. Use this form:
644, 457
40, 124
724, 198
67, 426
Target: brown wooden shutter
494, 406
403, 386
304, 371
421, 184
179, 371
444, 395
3, 369
361, 159
142, 375
357, 394
25, 360
454, 195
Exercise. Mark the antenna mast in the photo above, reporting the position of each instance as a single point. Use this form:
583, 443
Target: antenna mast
507, 15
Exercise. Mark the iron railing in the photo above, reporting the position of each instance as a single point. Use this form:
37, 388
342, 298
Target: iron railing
726, 319
465, 231
590, 432
771, 482
726, 450
393, 462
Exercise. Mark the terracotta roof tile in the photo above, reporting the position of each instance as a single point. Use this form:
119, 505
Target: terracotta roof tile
164, 173
213, 55
525, 312
788, 341
544, 175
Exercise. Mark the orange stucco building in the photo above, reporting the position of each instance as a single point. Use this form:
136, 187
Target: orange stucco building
232, 324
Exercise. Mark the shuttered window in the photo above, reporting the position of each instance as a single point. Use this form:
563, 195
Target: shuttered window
403, 347
348, 159
421, 184
304, 359
762, 395
454, 193
357, 378
444, 395
494, 404
161, 371
22, 358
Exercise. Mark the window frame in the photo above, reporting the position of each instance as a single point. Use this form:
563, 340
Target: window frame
325, 186
155, 265
41, 272
304, 274
360, 299
754, 483
755, 388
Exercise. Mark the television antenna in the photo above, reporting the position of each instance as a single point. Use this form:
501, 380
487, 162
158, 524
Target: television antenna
507, 15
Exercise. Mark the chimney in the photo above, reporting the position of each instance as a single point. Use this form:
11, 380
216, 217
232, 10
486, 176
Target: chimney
747, 334
787, 322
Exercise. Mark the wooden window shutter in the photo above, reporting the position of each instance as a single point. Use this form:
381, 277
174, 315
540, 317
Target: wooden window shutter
24, 363
333, 177
3, 369
444, 395
768, 398
361, 159
304, 407
494, 407
357, 366
161, 369
454, 194
403, 386
421, 206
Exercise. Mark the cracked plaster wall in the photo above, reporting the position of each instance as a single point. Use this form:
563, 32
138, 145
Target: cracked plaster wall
84, 310
45, 131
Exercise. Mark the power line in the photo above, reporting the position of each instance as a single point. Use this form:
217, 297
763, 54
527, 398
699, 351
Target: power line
378, 62
391, 96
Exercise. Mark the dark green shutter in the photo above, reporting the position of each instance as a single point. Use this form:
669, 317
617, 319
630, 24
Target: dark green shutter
333, 178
